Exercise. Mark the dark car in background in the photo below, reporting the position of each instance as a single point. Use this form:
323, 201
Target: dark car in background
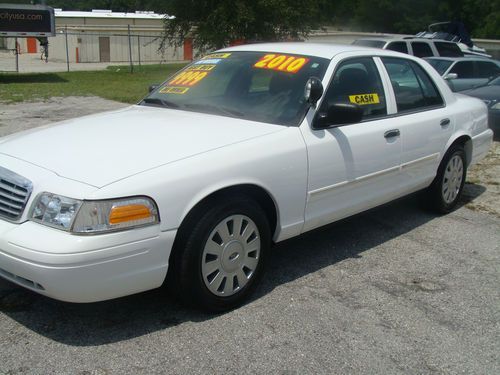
490, 94
463, 73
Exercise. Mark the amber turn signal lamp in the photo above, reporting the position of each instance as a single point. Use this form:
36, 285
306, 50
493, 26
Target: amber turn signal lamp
131, 212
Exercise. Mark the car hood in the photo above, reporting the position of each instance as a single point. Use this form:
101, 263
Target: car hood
103, 148
485, 92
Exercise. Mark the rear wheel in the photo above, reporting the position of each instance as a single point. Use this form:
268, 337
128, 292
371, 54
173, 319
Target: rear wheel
219, 262
446, 189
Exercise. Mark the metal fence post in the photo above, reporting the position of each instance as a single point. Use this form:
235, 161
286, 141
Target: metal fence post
130, 50
139, 48
17, 55
67, 51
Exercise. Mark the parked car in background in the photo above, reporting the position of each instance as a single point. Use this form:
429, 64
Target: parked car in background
490, 95
464, 73
419, 47
248, 146
454, 31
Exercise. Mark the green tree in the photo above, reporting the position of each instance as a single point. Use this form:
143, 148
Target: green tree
214, 24
114, 5
481, 17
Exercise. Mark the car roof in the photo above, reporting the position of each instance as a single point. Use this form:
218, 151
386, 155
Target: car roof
325, 50
392, 38
465, 58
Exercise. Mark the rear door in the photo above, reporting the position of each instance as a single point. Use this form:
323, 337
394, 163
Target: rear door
424, 121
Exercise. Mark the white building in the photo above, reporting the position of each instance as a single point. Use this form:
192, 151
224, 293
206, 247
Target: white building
103, 36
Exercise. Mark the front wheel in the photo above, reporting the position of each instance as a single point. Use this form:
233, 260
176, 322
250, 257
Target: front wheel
222, 258
446, 189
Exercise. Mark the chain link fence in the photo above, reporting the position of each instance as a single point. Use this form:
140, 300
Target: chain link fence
86, 50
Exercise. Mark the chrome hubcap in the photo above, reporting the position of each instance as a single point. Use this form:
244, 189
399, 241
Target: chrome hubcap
452, 179
231, 255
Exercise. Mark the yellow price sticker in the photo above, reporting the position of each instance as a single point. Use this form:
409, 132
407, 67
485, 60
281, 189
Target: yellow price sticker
201, 67
281, 63
188, 78
217, 56
364, 99
174, 90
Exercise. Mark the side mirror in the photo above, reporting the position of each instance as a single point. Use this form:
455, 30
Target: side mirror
153, 87
313, 90
338, 114
450, 76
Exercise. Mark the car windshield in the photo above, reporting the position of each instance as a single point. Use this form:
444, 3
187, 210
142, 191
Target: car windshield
440, 65
369, 43
258, 86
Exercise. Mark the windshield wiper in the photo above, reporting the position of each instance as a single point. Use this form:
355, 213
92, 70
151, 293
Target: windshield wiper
158, 101
215, 109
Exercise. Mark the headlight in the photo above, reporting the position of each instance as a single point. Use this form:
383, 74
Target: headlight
90, 217
496, 106
55, 210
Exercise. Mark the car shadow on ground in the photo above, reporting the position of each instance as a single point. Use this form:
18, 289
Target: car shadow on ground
31, 78
133, 316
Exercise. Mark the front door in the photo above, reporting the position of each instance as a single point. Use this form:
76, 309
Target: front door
352, 167
104, 51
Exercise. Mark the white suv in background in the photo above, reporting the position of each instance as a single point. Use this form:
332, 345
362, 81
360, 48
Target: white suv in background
413, 46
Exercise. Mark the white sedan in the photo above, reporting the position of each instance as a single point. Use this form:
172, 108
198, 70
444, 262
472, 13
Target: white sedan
246, 147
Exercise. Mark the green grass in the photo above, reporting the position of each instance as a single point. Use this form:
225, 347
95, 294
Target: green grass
115, 83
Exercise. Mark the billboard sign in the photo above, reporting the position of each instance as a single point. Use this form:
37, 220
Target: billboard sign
26, 20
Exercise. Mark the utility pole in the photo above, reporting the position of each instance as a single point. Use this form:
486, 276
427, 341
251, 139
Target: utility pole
130, 51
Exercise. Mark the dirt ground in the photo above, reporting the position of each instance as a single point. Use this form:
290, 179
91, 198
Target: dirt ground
27, 115
481, 193
485, 177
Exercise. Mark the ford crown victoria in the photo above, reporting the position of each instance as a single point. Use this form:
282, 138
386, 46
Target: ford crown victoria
243, 148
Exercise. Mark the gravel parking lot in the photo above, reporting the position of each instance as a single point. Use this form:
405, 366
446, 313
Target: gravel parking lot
395, 290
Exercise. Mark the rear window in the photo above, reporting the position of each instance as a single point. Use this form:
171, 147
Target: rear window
413, 88
463, 69
448, 49
440, 65
369, 43
421, 49
486, 69
398, 47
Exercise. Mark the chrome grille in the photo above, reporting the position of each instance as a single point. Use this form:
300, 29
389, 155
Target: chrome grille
15, 191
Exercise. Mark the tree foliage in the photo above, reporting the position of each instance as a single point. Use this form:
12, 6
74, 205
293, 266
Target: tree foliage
215, 23
481, 17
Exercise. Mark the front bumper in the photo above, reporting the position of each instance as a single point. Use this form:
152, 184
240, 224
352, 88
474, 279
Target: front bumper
84, 268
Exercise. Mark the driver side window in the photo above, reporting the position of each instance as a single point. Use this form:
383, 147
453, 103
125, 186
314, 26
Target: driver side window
357, 81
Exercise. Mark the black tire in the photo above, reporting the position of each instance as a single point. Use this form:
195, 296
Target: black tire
189, 260
438, 198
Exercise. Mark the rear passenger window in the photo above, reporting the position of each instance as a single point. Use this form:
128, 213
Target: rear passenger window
421, 49
413, 88
357, 81
398, 47
486, 69
463, 69
448, 49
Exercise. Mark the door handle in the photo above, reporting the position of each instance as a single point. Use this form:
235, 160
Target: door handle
392, 133
445, 122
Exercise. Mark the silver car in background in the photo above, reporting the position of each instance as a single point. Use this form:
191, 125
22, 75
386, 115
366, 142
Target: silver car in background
463, 73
